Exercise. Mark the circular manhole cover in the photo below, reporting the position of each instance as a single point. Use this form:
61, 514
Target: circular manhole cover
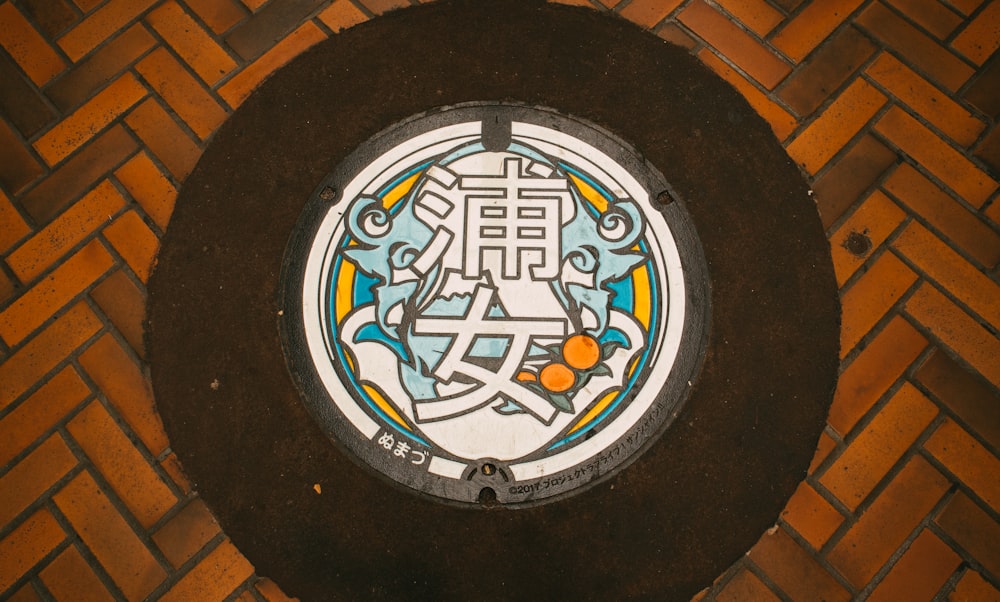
494, 300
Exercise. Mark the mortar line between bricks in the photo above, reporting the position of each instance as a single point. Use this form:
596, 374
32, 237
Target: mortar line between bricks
916, 215
41, 501
243, 588
959, 483
979, 74
102, 574
57, 263
119, 505
968, 559
866, 129
218, 38
73, 200
32, 573
52, 430
111, 78
902, 549
766, 579
723, 580
176, 575
946, 291
123, 27
211, 90
62, 363
946, 411
937, 342
820, 559
949, 586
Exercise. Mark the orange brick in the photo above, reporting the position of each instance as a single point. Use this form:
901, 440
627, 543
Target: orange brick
172, 466
42, 353
673, 33
973, 588
27, 545
186, 533
136, 243
871, 297
215, 577
973, 464
121, 464
125, 305
254, 4
873, 371
182, 92
957, 330
973, 529
30, 478
782, 122
40, 251
648, 13
87, 5
98, 69
962, 226
794, 570
875, 219
824, 447
7, 288
119, 550
833, 64
78, 174
919, 49
732, 42
25, 594
383, 6
27, 47
971, 399
960, 174
121, 381
54, 291
811, 26
932, 15
69, 577
811, 516
340, 15
271, 592
850, 176
993, 212
759, 16
239, 87
192, 43
980, 38
18, 167
161, 134
101, 25
81, 125
926, 100
879, 446
40, 412
920, 573
888, 522
219, 15
966, 7
838, 123
745, 587
12, 226
951, 271
149, 187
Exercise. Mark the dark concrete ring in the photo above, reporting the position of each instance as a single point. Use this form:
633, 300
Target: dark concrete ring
662, 528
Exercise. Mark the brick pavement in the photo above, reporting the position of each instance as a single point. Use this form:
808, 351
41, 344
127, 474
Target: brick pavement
889, 106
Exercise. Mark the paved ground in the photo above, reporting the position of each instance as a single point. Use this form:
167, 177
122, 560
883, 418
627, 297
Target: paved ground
890, 107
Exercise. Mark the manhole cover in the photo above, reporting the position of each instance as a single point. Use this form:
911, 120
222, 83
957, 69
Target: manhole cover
494, 300
492, 303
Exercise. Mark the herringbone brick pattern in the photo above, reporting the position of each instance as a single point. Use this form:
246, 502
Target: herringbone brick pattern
889, 106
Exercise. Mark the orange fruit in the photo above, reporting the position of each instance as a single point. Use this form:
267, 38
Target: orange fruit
525, 376
581, 351
557, 377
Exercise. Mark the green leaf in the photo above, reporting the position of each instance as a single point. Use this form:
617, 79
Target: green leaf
561, 401
600, 370
608, 349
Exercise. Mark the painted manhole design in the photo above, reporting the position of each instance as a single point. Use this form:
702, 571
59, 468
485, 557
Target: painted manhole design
494, 302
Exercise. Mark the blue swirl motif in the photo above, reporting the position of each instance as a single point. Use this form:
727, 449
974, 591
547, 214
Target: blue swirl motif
600, 246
